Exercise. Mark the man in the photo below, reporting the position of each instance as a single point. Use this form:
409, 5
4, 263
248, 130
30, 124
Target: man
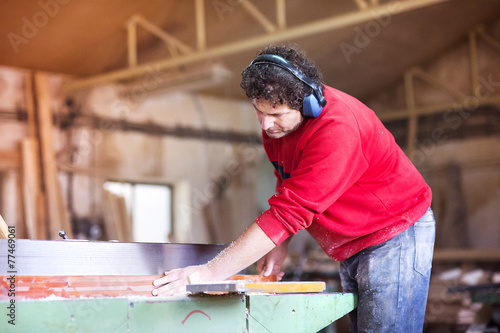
341, 176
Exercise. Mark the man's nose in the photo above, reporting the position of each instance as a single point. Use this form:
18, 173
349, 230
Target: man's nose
266, 122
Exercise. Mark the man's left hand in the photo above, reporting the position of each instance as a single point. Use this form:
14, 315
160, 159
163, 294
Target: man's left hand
175, 281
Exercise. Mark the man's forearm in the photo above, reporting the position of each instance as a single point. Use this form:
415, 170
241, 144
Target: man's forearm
247, 249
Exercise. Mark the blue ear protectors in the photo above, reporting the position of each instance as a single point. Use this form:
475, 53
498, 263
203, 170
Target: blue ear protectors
313, 103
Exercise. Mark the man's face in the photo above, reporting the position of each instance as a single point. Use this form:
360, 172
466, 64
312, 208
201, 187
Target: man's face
278, 120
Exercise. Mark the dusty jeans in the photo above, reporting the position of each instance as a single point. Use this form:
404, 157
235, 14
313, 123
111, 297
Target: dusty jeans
391, 280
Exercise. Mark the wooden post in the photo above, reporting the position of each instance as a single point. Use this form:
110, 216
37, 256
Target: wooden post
57, 212
31, 170
281, 14
31, 187
201, 39
11, 196
132, 43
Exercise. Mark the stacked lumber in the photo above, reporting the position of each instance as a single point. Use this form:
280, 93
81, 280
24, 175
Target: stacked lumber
447, 307
34, 170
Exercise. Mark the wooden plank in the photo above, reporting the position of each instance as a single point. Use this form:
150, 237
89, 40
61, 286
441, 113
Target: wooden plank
31, 185
33, 287
33, 197
254, 278
285, 287
57, 212
76, 286
110, 216
125, 220
11, 197
19, 221
41, 217
30, 104
259, 287
116, 218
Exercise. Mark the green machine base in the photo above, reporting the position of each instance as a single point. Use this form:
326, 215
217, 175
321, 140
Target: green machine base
252, 313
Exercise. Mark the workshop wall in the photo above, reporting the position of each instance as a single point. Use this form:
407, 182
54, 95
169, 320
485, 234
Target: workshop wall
212, 170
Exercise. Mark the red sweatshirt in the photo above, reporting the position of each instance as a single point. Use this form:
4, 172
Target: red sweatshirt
342, 177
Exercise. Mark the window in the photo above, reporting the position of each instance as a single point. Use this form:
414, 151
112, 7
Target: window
150, 208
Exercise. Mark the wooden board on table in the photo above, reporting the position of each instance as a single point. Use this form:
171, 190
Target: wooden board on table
258, 287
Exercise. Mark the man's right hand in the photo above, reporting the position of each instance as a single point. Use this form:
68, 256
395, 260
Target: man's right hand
271, 263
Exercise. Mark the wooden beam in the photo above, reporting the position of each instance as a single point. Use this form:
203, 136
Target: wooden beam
132, 44
362, 5
57, 212
201, 38
281, 14
30, 104
170, 40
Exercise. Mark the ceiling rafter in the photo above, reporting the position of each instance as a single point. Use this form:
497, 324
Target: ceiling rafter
175, 46
205, 53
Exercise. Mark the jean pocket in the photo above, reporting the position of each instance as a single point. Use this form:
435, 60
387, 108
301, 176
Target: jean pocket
424, 245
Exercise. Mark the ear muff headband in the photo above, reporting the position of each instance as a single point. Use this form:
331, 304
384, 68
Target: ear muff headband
313, 105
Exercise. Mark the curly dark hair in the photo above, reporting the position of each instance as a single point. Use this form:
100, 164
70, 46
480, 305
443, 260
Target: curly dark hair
278, 85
